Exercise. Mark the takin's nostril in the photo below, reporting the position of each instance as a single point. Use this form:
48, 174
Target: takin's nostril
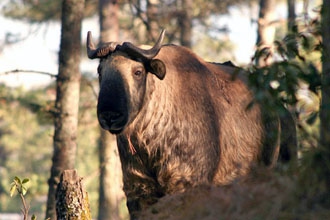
112, 121
109, 117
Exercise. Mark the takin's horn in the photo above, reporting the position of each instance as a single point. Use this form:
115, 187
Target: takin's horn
100, 52
137, 52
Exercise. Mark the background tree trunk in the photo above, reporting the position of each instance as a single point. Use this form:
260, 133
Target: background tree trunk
111, 186
111, 190
266, 30
67, 97
325, 104
153, 28
291, 14
108, 18
185, 23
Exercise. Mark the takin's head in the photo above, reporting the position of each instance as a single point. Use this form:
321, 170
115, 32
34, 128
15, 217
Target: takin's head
123, 71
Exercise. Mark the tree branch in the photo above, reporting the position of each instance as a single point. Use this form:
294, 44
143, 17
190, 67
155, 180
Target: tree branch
25, 210
17, 71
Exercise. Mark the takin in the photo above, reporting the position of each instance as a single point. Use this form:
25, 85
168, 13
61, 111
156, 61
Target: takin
181, 122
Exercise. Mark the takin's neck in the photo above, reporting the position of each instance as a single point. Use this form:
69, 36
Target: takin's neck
176, 116
148, 131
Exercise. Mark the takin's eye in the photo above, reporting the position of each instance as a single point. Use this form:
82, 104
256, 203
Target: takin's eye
138, 73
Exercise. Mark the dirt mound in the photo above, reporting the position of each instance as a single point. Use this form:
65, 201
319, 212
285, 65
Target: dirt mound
269, 196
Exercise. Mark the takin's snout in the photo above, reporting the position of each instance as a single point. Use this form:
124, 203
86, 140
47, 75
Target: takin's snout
112, 121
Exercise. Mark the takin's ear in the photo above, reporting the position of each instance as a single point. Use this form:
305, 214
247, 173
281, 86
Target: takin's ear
157, 67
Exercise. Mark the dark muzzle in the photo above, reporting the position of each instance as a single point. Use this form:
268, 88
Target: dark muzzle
112, 121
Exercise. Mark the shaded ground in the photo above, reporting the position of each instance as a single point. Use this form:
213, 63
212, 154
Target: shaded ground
267, 195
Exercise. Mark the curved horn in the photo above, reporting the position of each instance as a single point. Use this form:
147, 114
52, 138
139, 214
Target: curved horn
135, 51
100, 52
91, 51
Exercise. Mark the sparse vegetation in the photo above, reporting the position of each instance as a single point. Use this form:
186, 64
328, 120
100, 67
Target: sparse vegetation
20, 186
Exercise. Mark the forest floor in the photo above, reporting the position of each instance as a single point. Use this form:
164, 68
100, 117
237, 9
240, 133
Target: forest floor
266, 195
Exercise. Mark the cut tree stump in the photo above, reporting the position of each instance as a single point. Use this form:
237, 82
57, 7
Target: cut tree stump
71, 199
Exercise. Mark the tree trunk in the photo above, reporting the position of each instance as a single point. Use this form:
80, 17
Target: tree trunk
111, 192
185, 23
325, 103
110, 186
71, 199
291, 14
108, 17
152, 26
266, 31
67, 97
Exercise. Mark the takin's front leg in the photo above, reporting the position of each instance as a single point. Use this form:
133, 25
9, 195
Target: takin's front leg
140, 184
141, 191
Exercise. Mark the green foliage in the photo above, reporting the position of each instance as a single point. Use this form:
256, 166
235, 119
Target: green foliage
41, 11
20, 186
297, 63
26, 143
297, 72
33, 11
25, 146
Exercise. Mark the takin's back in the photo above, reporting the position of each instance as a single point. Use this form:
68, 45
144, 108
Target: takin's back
224, 95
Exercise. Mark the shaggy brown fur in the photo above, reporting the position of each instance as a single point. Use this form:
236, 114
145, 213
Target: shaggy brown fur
193, 127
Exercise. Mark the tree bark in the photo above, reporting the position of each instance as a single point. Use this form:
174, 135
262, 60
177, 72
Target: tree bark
152, 15
291, 14
67, 97
110, 185
111, 192
71, 199
108, 18
266, 31
325, 103
185, 23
